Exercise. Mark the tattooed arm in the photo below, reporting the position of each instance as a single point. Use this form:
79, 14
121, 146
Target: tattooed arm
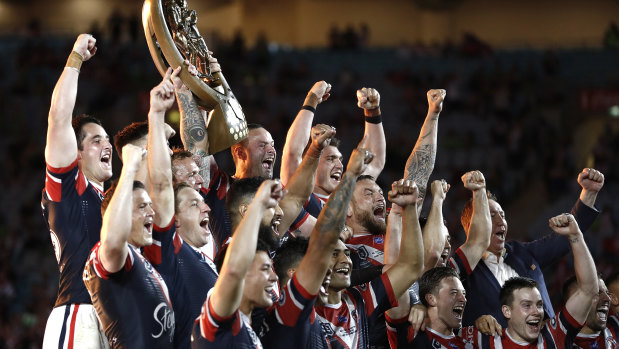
420, 163
193, 124
324, 236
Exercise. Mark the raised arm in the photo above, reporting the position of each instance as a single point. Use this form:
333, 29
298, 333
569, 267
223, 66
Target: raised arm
480, 228
420, 163
159, 164
369, 100
226, 297
435, 232
586, 275
299, 132
193, 122
409, 264
116, 225
61, 146
331, 222
302, 181
591, 181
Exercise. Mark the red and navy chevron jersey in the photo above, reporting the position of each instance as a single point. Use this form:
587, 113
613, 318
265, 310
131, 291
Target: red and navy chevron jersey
188, 273
402, 335
72, 209
347, 324
132, 304
369, 250
605, 339
213, 331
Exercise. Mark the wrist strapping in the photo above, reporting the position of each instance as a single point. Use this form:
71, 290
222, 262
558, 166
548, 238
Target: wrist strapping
74, 61
374, 119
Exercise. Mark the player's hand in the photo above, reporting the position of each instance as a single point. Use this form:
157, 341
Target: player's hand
319, 93
213, 65
346, 233
321, 135
132, 155
565, 224
162, 95
417, 317
591, 179
269, 193
359, 159
368, 98
85, 46
488, 325
439, 189
403, 192
435, 100
474, 180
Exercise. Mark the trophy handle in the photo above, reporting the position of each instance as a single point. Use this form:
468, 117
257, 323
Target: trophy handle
226, 122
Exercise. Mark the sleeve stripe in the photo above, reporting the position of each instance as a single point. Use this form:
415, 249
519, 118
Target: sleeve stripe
465, 261
165, 228
61, 170
392, 299
570, 319
393, 321
304, 293
299, 223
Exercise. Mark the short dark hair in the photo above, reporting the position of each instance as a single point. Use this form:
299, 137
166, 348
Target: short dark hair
130, 133
239, 191
430, 281
467, 211
506, 296
78, 127
180, 153
289, 254
569, 283
221, 255
364, 177
110, 192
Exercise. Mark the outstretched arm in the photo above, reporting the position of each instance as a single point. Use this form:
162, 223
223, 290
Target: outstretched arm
299, 132
159, 163
480, 228
302, 181
331, 222
435, 232
228, 289
116, 225
586, 275
369, 100
420, 163
193, 122
61, 146
409, 264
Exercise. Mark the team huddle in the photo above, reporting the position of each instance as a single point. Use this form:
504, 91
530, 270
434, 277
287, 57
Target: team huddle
177, 253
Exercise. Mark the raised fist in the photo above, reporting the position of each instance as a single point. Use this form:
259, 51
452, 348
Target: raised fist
403, 193
321, 135
359, 159
319, 93
439, 189
435, 100
132, 155
564, 224
85, 46
269, 193
368, 98
474, 180
591, 179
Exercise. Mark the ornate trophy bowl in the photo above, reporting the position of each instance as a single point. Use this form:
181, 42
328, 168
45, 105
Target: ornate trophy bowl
172, 36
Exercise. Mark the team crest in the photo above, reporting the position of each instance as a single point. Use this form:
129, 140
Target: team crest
282, 298
362, 252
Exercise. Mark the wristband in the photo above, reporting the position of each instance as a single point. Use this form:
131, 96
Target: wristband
374, 119
310, 108
74, 61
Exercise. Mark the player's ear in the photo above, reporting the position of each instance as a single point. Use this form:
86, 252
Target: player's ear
431, 299
242, 209
290, 272
507, 311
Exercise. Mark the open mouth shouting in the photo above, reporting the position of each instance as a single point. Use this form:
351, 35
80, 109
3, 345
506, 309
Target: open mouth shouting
275, 224
457, 311
204, 223
336, 176
324, 288
443, 258
106, 159
379, 211
534, 325
267, 163
343, 271
148, 225
500, 233
602, 312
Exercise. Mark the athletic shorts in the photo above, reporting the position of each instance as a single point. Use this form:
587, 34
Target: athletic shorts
74, 326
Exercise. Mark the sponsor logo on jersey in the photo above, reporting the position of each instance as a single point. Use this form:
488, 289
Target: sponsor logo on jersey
164, 317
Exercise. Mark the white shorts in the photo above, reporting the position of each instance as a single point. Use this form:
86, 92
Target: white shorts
74, 326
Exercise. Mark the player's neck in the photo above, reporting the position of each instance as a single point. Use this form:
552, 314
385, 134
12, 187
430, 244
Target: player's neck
334, 296
439, 326
588, 330
246, 307
318, 190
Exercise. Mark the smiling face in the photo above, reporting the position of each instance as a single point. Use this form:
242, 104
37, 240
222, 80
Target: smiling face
442, 261
260, 281
329, 172
95, 157
499, 227
141, 219
192, 217
368, 207
259, 154
524, 316
341, 265
450, 301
